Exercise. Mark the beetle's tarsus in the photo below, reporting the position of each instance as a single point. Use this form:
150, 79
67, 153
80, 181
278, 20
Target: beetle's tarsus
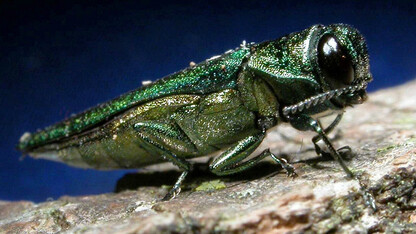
345, 152
368, 197
369, 200
290, 170
171, 194
176, 189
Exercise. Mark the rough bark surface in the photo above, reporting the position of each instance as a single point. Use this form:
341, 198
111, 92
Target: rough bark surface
381, 132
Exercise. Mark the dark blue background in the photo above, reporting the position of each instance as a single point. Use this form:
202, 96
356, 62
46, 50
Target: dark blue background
61, 58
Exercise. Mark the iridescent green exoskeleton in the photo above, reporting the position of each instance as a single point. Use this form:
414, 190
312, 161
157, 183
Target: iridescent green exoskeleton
227, 103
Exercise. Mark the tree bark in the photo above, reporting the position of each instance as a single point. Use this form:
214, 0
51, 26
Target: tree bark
381, 133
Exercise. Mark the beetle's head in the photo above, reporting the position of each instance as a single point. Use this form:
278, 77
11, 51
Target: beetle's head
342, 63
321, 64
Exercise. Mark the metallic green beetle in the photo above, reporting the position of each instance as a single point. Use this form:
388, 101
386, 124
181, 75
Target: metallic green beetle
227, 102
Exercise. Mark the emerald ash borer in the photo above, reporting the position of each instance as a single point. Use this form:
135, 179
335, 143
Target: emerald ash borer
226, 104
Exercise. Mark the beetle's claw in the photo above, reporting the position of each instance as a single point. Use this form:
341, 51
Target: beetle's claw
290, 171
171, 194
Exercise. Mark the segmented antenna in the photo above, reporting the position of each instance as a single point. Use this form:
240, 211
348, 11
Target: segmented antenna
320, 98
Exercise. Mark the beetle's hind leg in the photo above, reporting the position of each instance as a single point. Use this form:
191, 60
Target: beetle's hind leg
166, 140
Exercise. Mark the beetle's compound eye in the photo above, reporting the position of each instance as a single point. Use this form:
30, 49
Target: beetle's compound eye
335, 62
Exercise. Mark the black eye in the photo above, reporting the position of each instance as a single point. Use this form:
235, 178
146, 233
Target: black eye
335, 62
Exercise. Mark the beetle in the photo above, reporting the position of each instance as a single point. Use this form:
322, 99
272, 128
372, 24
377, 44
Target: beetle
227, 102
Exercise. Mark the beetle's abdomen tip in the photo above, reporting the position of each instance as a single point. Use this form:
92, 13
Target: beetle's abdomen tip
21, 146
25, 137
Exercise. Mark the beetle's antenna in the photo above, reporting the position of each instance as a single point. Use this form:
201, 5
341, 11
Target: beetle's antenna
320, 98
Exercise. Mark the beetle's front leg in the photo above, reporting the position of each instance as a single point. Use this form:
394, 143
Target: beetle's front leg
229, 162
304, 123
162, 139
345, 151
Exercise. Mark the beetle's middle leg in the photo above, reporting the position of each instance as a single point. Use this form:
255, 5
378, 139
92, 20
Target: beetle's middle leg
229, 162
164, 140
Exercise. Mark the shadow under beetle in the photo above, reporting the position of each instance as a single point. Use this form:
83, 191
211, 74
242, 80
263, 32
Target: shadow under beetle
227, 102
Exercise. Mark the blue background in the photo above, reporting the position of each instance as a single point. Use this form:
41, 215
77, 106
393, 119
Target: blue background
61, 58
